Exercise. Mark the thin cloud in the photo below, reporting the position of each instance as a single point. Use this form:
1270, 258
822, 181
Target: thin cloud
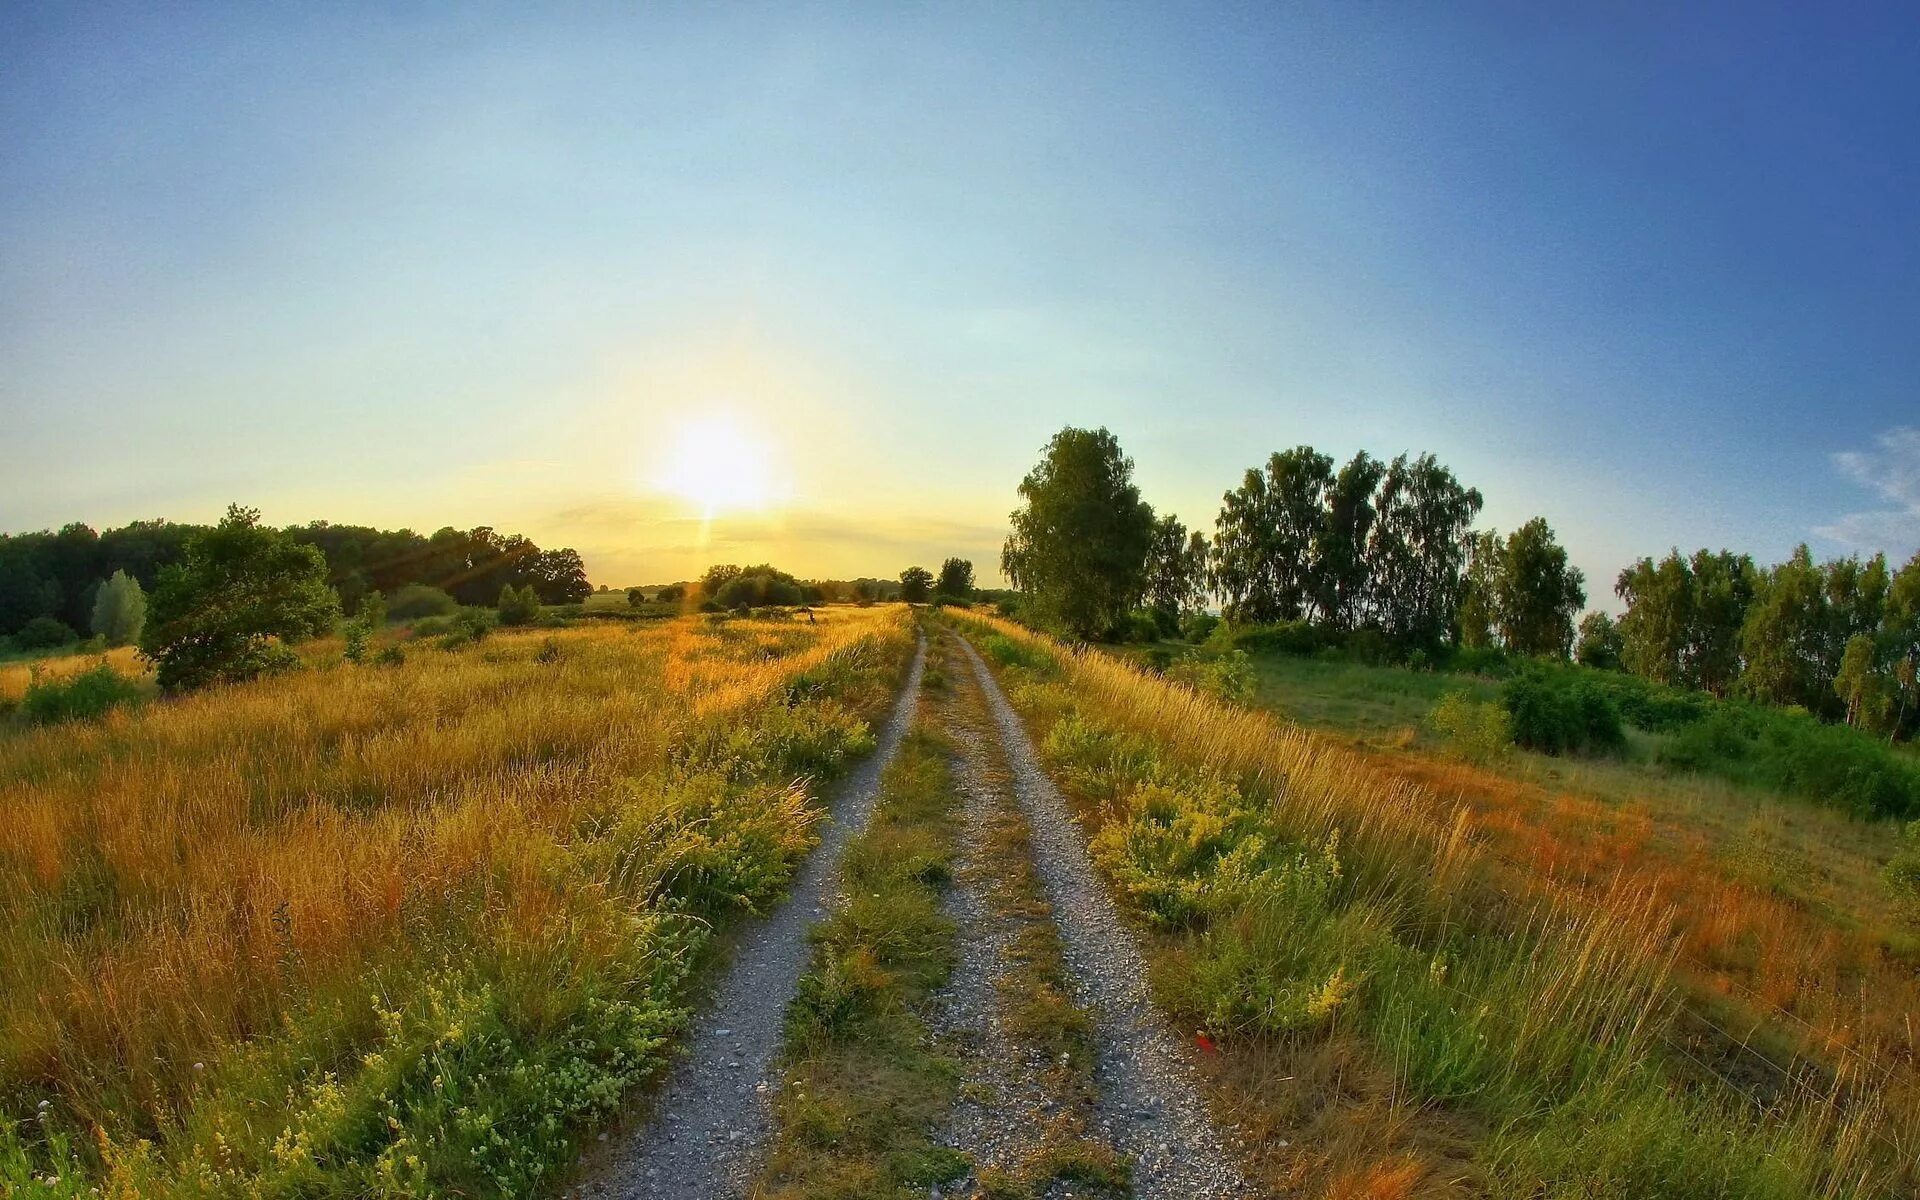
1891, 470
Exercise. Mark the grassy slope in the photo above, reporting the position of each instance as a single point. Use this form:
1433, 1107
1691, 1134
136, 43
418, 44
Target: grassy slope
397, 930
1539, 1029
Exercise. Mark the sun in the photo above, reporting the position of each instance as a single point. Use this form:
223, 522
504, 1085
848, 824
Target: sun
718, 467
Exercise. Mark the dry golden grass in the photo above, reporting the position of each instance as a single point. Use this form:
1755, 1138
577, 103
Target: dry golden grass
174, 879
15, 676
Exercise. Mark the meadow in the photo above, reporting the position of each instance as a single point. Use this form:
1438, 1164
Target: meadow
399, 929
1416, 992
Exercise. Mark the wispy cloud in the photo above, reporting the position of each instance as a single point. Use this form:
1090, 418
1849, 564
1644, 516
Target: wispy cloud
1891, 470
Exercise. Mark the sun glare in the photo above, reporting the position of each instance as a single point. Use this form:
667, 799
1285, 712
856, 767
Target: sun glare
718, 467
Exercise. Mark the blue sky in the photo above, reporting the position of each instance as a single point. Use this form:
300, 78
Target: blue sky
1652, 275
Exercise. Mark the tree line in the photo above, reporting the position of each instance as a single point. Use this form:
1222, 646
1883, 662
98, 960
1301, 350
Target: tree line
1383, 546
1839, 638
1387, 551
59, 575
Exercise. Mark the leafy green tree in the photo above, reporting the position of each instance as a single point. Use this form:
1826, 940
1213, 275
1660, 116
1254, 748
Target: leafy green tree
1176, 570
1721, 590
1417, 550
225, 613
956, 579
1657, 627
1598, 643
373, 610
916, 583
44, 633
1858, 682
636, 597
1784, 638
1900, 635
519, 605
1340, 552
1078, 547
1266, 536
1480, 589
1537, 593
119, 610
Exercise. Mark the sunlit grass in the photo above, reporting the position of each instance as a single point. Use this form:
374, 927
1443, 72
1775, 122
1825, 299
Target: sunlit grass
206, 905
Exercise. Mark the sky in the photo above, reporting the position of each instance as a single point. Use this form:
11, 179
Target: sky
1651, 272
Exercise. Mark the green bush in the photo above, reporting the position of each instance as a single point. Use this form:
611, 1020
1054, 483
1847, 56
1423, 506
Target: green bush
44, 633
82, 697
417, 600
1795, 752
1478, 731
1283, 637
1490, 661
1559, 714
518, 606
1226, 676
1198, 627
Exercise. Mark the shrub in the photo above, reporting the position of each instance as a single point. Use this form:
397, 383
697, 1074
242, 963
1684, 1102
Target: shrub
468, 626
518, 605
1795, 752
44, 633
1561, 715
1284, 637
357, 633
392, 656
85, 696
1903, 876
417, 600
1481, 660
1477, 731
120, 610
1227, 675
1198, 627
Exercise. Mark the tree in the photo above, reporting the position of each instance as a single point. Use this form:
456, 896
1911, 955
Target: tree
519, 605
671, 593
1785, 634
1721, 590
1267, 534
1417, 549
1176, 570
1900, 635
915, 583
1078, 547
225, 613
1598, 644
1538, 593
1480, 589
1340, 554
636, 597
1657, 627
1858, 682
119, 610
956, 579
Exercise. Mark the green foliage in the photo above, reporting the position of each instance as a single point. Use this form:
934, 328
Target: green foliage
1478, 731
358, 633
120, 610
1795, 753
1562, 713
636, 597
225, 613
916, 584
1903, 876
1078, 547
1008, 652
956, 579
1198, 627
518, 606
464, 628
731, 587
417, 600
1227, 675
1598, 643
44, 633
1537, 593
372, 609
1176, 569
85, 695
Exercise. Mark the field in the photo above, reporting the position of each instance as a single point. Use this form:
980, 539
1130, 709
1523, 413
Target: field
1358, 923
398, 929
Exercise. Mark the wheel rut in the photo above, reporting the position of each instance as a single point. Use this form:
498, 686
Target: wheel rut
706, 1125
1147, 1102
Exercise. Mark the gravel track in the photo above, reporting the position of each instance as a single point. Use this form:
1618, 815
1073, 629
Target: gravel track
707, 1123
1004, 1105
1150, 1105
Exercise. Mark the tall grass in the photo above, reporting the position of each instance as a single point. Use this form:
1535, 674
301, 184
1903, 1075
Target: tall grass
397, 929
1302, 894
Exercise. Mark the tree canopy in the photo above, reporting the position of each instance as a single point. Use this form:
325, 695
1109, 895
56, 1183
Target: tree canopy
1078, 547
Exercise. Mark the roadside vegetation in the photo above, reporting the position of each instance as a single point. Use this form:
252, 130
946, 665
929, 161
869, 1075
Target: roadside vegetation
1469, 1018
403, 927
865, 1085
